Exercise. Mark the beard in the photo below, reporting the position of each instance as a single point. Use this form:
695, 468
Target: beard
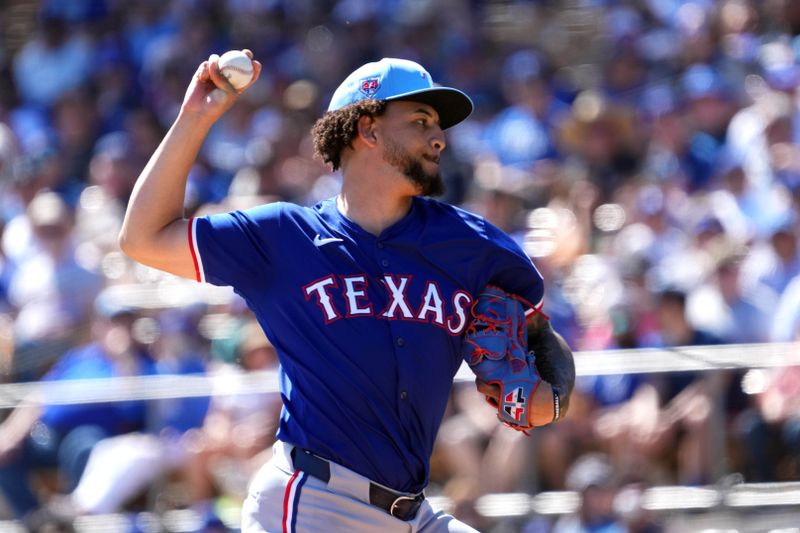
429, 183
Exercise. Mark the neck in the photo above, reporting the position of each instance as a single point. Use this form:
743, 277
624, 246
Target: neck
372, 211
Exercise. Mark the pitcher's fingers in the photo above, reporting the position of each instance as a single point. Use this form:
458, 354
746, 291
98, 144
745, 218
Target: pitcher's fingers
216, 76
488, 389
213, 66
202, 71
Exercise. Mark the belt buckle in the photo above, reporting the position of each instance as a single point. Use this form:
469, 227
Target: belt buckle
397, 501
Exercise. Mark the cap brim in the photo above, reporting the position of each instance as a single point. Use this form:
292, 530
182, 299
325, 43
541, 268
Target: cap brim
452, 105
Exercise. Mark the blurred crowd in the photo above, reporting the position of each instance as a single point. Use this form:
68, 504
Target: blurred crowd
644, 152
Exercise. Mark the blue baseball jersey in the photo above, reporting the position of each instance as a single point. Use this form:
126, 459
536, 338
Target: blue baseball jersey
368, 329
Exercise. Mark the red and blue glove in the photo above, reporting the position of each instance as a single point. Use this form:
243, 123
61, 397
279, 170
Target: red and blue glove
495, 347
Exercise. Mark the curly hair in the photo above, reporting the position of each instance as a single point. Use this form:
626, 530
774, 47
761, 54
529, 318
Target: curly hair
335, 130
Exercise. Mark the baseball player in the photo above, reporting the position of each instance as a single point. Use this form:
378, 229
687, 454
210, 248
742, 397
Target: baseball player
366, 297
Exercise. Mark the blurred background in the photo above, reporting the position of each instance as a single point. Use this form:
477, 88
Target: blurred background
644, 152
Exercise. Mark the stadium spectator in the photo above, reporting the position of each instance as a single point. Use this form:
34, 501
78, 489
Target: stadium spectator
603, 138
41, 434
668, 413
735, 311
121, 467
58, 59
52, 292
239, 429
709, 108
525, 131
592, 476
786, 325
771, 265
768, 432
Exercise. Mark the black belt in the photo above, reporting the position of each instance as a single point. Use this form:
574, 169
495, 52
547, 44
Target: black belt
396, 504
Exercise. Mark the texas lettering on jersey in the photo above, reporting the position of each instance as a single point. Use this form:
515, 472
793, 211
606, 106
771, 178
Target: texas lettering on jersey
451, 314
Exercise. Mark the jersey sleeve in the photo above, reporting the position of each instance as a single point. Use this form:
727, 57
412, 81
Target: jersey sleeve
235, 249
512, 270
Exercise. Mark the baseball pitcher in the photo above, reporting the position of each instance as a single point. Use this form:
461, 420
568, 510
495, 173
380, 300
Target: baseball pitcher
372, 300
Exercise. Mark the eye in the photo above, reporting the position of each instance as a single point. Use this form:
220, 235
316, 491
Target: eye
421, 122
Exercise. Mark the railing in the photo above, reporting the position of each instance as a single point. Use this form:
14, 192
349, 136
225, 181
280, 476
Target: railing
588, 363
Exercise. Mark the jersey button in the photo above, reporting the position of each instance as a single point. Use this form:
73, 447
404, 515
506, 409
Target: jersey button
401, 341
385, 262
403, 395
380, 245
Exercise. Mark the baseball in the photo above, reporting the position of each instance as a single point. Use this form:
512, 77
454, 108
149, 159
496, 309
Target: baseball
236, 67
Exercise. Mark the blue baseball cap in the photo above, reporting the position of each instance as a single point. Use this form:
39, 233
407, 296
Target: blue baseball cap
400, 79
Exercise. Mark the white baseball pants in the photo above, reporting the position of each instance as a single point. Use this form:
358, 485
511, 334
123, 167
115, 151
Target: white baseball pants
285, 500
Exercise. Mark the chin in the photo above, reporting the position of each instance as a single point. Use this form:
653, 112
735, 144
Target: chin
433, 187
425, 183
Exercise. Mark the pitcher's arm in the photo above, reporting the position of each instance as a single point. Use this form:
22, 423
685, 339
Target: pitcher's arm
154, 231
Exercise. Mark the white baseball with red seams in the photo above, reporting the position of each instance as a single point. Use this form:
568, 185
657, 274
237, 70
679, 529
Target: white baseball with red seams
236, 67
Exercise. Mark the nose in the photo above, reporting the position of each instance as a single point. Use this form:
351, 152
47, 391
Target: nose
437, 141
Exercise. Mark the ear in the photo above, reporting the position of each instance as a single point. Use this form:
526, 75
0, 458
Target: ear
366, 130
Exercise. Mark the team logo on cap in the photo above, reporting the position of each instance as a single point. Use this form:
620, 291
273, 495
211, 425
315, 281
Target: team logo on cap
370, 86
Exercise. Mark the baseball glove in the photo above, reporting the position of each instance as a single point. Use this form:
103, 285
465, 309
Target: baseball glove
495, 347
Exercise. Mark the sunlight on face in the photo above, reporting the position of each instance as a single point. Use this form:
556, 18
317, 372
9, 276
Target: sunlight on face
430, 183
411, 124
